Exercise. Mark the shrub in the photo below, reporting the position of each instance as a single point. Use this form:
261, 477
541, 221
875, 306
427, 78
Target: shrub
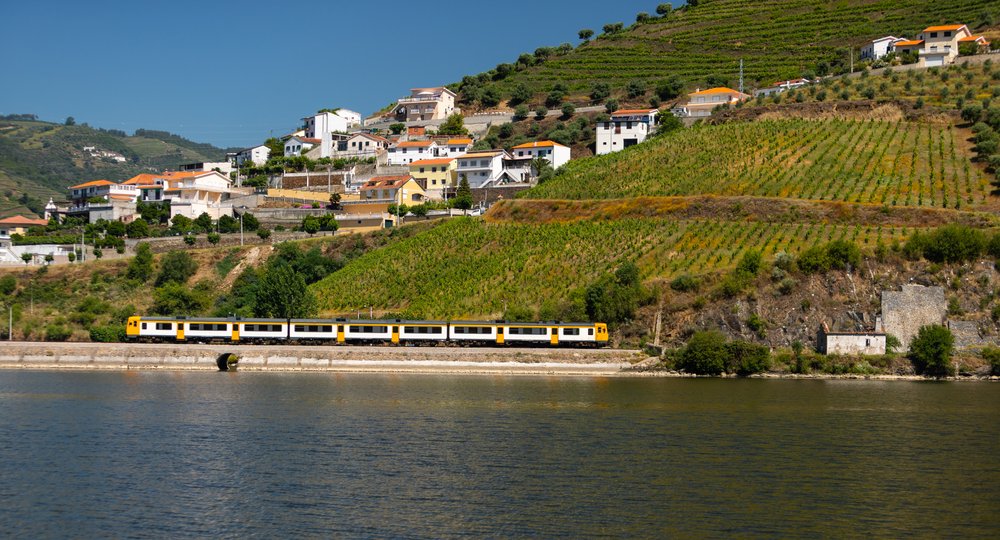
190, 239
953, 243
213, 238
176, 267
175, 298
931, 351
992, 355
892, 344
705, 353
57, 332
140, 268
108, 334
263, 233
746, 359
757, 325
843, 254
685, 283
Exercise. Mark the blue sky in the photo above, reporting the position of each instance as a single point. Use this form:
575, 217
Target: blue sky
233, 73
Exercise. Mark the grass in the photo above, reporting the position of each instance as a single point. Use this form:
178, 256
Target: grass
467, 268
860, 161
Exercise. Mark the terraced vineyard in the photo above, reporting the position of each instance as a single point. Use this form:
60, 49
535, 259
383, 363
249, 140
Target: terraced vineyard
893, 163
467, 268
776, 39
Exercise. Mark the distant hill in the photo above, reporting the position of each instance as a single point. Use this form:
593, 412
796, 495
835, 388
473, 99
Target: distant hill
40, 159
776, 39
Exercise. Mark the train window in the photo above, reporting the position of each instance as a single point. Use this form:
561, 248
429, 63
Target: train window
571, 331
164, 326
395, 329
590, 331
528, 331
422, 329
143, 326
500, 331
370, 329
328, 328
204, 327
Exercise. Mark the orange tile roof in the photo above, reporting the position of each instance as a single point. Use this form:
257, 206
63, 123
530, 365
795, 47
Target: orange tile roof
21, 220
438, 161
139, 179
974, 38
93, 183
718, 90
308, 140
538, 144
909, 43
414, 144
944, 28
459, 141
385, 182
623, 112
122, 197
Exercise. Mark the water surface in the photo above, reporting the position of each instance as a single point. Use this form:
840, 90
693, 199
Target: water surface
175, 454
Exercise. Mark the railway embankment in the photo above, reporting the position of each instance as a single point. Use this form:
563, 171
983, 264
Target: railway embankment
198, 357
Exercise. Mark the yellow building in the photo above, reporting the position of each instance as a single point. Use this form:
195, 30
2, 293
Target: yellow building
435, 175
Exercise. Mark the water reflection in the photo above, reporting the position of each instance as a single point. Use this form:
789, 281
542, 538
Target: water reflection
237, 454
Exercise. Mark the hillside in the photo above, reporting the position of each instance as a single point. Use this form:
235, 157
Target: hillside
40, 159
776, 39
894, 162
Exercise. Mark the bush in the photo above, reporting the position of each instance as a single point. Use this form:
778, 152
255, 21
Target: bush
213, 238
839, 254
190, 239
176, 267
951, 244
57, 332
108, 334
705, 354
931, 351
746, 359
264, 234
992, 355
177, 299
685, 283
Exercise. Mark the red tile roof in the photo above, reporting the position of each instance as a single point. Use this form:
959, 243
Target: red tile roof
21, 220
414, 144
909, 43
385, 182
944, 28
437, 161
629, 112
93, 183
713, 91
538, 144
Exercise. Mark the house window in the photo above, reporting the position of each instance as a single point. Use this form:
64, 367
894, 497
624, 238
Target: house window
421, 169
933, 34
947, 34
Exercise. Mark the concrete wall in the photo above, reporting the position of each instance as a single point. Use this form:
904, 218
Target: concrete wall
852, 344
905, 311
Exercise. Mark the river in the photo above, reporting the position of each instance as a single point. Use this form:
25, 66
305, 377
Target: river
181, 454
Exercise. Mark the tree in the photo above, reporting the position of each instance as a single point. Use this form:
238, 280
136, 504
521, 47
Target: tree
282, 293
397, 128
419, 211
310, 224
635, 89
585, 34
26, 257
70, 121
519, 94
72, 257
642, 17
203, 223
335, 200
176, 267
692, 3
177, 299
664, 9
705, 353
276, 147
613, 28
521, 113
180, 224
190, 239
263, 233
250, 222
214, 238
116, 229
453, 125
98, 253
543, 169
229, 224
931, 351
137, 229
8, 284
49, 258
541, 112
568, 110
463, 197
670, 88
140, 268
489, 97
599, 92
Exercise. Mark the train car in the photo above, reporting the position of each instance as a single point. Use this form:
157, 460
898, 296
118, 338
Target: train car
317, 330
474, 333
154, 328
423, 331
260, 330
552, 333
368, 331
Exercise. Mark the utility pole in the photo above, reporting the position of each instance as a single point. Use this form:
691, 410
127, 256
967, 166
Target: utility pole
741, 75
850, 55
10, 323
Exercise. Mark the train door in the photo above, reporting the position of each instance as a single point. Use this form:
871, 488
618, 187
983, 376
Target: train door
395, 334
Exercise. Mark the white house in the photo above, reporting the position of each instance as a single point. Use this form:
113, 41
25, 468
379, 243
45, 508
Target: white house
360, 145
850, 343
625, 128
878, 48
425, 104
701, 103
225, 167
482, 168
455, 147
256, 154
337, 121
557, 154
407, 152
782, 86
191, 194
940, 43
296, 146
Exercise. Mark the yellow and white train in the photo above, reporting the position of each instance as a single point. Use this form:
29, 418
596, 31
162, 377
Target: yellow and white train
354, 331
